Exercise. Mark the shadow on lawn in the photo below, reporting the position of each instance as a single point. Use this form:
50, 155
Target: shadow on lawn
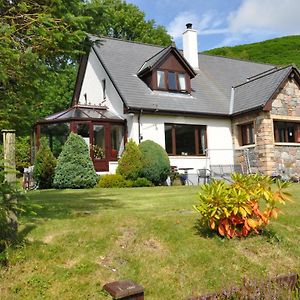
204, 231
61, 204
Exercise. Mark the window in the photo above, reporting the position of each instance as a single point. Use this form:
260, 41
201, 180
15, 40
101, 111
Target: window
172, 85
247, 134
99, 141
104, 89
169, 80
161, 80
117, 140
287, 132
185, 139
181, 81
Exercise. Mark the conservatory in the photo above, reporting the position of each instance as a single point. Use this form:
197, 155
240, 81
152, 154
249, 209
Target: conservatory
103, 131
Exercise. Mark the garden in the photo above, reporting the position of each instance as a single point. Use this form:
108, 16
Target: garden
81, 239
176, 241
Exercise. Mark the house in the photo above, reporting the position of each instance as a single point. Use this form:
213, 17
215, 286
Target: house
202, 109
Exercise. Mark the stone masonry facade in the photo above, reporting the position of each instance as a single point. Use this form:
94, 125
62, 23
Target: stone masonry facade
270, 157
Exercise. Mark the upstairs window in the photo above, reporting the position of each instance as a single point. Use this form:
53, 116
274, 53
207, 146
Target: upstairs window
161, 82
287, 132
247, 134
172, 81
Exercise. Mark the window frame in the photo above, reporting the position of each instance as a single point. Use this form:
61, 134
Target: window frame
166, 81
285, 126
197, 130
247, 135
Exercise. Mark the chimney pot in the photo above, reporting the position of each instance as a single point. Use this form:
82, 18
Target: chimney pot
189, 25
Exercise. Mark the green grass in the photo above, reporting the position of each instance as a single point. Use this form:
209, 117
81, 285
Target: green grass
280, 51
82, 239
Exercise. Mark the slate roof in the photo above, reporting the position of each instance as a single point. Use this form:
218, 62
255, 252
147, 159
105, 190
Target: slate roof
211, 88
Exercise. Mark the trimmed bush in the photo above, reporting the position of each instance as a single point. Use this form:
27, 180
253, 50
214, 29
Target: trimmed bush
130, 164
44, 166
75, 169
114, 181
141, 182
155, 162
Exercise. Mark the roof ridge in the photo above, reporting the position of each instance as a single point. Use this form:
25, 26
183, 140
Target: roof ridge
127, 41
264, 75
237, 59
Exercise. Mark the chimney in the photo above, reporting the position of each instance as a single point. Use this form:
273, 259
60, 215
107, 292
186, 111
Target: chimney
190, 46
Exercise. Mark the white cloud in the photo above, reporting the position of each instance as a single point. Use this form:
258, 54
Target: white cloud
253, 20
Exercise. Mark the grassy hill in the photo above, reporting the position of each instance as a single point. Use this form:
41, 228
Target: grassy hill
280, 51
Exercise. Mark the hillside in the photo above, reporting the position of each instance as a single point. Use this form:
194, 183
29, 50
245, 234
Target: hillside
280, 51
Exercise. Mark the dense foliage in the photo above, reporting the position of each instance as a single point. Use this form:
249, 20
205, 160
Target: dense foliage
118, 181
114, 181
130, 164
155, 162
235, 209
74, 166
44, 166
280, 51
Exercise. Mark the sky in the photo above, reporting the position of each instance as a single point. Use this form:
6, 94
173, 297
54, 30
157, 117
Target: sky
225, 22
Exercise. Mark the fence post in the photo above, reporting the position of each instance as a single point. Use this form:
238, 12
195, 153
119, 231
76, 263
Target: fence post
9, 150
125, 290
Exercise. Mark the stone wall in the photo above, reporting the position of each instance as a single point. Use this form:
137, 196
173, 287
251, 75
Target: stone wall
287, 103
287, 160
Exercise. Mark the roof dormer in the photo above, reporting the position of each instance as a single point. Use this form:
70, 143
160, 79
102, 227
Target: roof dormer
168, 71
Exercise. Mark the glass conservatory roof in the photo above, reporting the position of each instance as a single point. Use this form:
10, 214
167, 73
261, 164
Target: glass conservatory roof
80, 112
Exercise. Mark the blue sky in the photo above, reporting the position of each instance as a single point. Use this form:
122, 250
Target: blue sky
225, 22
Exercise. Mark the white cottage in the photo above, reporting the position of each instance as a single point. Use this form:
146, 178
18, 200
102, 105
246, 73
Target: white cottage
202, 109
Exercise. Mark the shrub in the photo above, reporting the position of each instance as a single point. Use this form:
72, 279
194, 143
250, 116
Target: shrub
74, 165
44, 166
114, 181
130, 164
22, 153
234, 210
141, 182
155, 162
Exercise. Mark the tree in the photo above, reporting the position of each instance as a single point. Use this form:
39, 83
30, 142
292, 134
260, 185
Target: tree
44, 166
74, 165
40, 43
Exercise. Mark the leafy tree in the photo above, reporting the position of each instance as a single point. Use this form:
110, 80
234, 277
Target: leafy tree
130, 163
74, 165
44, 166
40, 43
155, 162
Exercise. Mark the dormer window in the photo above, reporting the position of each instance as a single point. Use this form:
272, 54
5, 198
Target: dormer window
171, 81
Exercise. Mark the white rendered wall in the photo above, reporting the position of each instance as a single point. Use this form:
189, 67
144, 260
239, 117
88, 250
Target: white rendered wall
219, 138
92, 87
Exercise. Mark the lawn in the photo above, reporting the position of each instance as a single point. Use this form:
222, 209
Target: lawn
82, 239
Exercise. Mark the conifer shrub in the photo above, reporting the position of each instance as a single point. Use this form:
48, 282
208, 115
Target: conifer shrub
155, 162
44, 166
74, 166
130, 164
